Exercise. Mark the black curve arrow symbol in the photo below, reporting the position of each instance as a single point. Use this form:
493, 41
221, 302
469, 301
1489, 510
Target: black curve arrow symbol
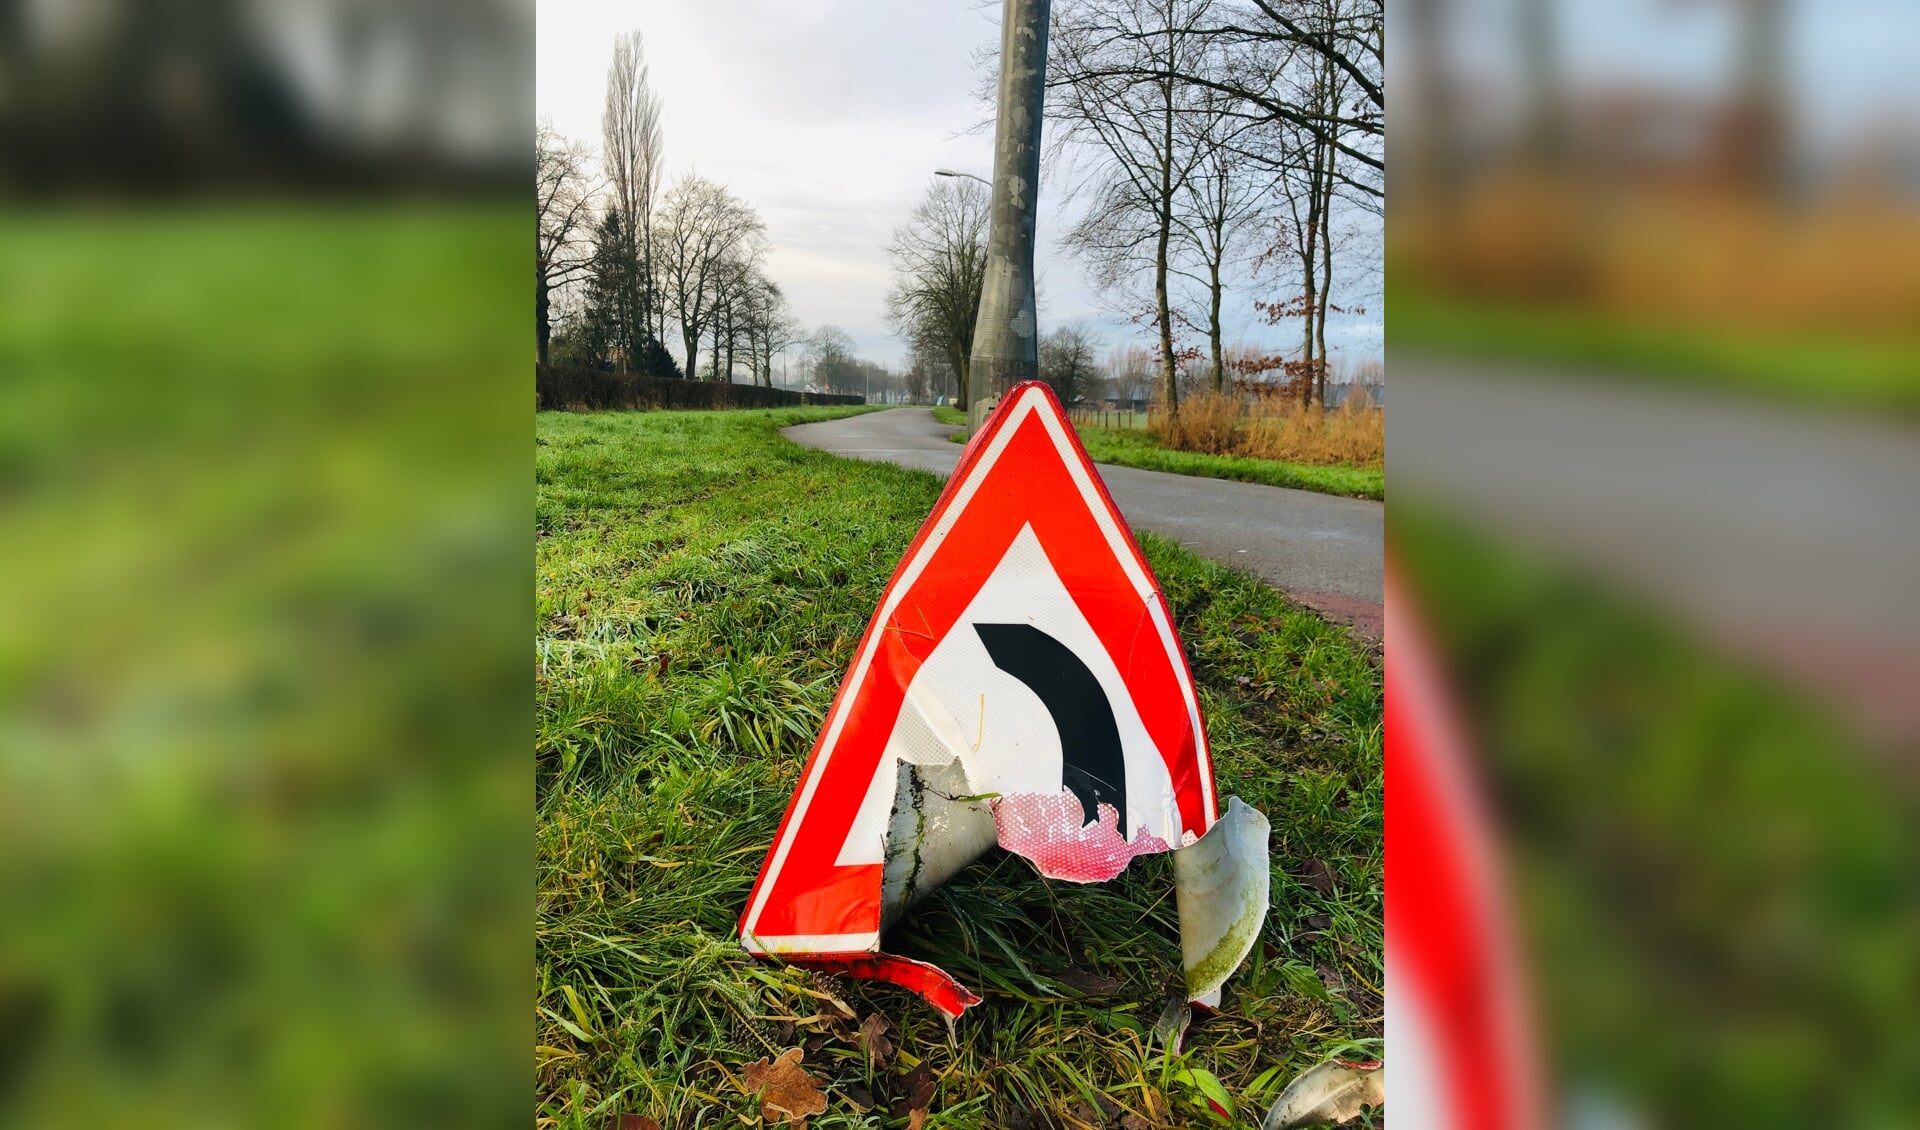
1093, 765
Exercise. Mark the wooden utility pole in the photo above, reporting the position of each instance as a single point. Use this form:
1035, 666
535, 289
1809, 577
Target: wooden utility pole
1005, 336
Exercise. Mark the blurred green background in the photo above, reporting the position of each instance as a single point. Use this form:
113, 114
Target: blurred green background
264, 857
262, 844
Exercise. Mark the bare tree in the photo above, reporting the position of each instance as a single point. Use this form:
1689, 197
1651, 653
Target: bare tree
733, 281
701, 229
1257, 40
1130, 372
1216, 205
916, 380
631, 146
933, 359
770, 326
562, 205
1067, 363
1311, 181
830, 354
939, 266
1115, 75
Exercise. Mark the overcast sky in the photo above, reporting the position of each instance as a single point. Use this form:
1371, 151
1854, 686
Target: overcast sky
829, 116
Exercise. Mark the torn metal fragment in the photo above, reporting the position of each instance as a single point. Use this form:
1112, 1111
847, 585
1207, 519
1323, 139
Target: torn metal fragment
1333, 1091
1221, 884
938, 827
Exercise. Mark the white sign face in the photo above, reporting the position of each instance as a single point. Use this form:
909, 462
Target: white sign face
963, 704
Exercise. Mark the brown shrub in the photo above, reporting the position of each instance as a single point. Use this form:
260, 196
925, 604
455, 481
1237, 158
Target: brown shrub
1354, 434
1208, 423
1277, 428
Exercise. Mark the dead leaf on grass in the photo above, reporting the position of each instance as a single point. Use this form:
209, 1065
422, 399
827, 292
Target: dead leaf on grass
785, 1089
916, 1091
635, 1122
1316, 876
873, 1039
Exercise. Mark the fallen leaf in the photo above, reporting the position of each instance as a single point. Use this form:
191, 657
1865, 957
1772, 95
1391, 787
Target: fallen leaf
860, 1097
1318, 921
635, 1122
873, 1039
916, 1118
916, 1091
1333, 1091
785, 1089
1316, 875
1135, 1122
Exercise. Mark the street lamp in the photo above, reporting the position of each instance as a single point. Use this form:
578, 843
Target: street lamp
969, 176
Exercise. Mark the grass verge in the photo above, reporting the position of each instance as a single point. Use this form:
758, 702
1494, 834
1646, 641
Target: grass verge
1132, 447
701, 584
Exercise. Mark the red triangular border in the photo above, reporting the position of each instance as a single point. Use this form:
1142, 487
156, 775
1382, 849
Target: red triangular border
803, 906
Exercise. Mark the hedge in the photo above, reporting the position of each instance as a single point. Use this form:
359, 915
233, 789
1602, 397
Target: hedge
567, 387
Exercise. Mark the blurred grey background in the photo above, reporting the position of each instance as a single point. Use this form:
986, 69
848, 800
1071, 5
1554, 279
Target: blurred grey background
172, 95
1654, 336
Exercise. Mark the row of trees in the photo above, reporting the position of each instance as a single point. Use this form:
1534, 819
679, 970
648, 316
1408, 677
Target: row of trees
1203, 135
619, 261
1208, 141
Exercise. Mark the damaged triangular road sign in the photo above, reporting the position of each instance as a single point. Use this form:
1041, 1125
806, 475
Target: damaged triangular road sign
1021, 684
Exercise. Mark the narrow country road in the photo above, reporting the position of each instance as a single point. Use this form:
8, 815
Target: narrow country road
1323, 551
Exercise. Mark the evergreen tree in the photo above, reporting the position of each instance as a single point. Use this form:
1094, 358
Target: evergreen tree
613, 330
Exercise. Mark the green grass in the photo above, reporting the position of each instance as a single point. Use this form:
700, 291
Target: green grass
1130, 447
1133, 447
701, 585
1718, 884
262, 850
1835, 368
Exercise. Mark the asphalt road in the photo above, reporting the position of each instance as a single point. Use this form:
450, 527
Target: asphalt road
1323, 551
1789, 533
